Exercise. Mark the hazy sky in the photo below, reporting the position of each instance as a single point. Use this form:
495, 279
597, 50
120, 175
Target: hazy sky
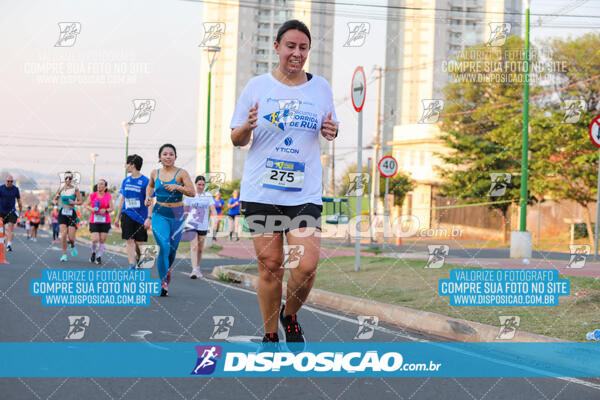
56, 111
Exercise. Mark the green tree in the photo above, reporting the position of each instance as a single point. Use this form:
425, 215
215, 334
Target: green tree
568, 159
399, 185
227, 189
344, 183
487, 140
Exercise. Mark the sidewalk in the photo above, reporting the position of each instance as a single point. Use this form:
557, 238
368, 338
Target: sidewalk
245, 249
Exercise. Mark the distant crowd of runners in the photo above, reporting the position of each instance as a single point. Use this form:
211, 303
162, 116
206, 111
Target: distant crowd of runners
285, 112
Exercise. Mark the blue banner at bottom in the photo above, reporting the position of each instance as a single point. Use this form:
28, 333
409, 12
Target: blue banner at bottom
344, 359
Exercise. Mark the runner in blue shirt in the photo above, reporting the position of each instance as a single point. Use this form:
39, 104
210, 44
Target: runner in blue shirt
233, 206
133, 212
8, 194
219, 204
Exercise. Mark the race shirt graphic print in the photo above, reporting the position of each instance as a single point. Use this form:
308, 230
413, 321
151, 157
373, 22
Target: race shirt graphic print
284, 161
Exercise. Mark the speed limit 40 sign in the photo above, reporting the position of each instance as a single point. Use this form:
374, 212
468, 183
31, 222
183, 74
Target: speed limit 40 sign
388, 166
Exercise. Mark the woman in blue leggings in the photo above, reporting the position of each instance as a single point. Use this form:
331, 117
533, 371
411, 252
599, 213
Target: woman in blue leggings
168, 184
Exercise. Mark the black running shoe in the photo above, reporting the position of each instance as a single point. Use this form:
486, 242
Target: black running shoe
9, 247
271, 337
163, 292
99, 260
294, 338
269, 344
93, 257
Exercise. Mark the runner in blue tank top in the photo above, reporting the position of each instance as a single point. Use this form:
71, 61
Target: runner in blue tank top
169, 184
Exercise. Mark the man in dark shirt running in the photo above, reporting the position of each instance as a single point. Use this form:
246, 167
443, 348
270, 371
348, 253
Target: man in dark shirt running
8, 194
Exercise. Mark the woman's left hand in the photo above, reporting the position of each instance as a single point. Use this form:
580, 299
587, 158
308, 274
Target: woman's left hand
172, 187
329, 128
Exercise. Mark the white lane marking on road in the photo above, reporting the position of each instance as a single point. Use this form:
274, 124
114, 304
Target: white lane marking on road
329, 314
243, 338
582, 382
141, 335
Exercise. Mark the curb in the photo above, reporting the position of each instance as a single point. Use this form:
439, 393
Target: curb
454, 329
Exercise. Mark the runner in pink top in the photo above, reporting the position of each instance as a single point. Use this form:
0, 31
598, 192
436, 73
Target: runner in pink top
100, 206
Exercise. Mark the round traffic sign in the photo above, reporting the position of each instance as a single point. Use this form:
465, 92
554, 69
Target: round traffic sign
388, 166
358, 89
595, 131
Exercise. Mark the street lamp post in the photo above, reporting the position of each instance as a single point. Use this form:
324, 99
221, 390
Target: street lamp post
126, 129
525, 145
520, 241
211, 51
93, 155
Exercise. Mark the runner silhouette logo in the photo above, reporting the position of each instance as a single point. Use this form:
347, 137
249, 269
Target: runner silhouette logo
68, 34
508, 327
357, 34
437, 255
142, 110
366, 327
357, 183
499, 184
432, 109
77, 326
213, 31
223, 324
499, 32
207, 359
573, 109
579, 253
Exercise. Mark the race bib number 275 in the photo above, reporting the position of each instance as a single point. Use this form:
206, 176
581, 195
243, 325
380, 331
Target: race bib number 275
283, 175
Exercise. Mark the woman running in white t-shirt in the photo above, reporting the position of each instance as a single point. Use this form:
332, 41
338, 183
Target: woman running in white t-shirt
285, 112
198, 209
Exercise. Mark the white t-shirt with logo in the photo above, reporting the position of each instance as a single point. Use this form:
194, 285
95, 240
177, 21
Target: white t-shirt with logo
199, 211
283, 166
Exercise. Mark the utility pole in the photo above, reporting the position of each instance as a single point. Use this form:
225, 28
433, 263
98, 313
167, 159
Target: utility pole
376, 147
332, 186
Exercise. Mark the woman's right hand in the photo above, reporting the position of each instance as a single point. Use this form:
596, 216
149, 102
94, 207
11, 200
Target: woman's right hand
148, 202
252, 117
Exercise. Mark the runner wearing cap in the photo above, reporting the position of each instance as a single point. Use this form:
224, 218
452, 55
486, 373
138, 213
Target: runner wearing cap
67, 196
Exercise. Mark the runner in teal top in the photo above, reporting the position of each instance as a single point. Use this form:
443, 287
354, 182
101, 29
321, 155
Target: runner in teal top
169, 184
69, 197
162, 194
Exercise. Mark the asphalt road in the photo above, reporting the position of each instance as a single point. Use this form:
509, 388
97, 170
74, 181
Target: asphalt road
186, 316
